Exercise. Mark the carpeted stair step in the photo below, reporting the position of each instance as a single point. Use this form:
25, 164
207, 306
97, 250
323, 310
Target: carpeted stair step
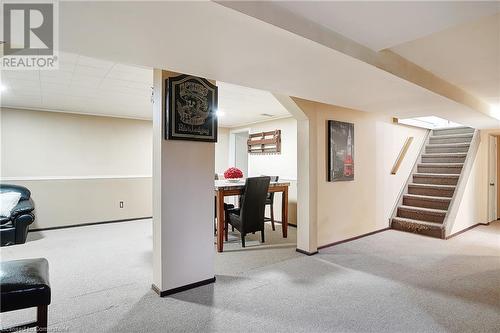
435, 178
444, 158
421, 214
418, 227
431, 190
455, 130
426, 201
443, 168
447, 148
451, 138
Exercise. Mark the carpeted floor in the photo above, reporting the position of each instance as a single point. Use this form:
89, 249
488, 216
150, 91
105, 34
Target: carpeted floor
388, 282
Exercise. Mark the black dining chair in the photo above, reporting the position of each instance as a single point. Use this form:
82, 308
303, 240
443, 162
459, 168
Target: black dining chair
270, 202
249, 217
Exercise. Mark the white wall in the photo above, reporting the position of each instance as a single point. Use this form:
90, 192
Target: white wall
352, 208
222, 150
183, 203
241, 152
78, 167
473, 208
283, 165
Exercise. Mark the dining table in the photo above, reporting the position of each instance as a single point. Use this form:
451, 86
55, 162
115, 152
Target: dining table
225, 188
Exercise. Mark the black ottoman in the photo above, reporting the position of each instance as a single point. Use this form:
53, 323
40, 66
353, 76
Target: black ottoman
25, 284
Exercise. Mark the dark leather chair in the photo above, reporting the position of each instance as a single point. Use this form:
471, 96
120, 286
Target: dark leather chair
25, 284
249, 217
270, 202
14, 229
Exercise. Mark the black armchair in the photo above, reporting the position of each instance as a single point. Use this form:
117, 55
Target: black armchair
14, 229
249, 217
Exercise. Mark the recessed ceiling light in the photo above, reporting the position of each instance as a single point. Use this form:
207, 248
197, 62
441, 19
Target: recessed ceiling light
2, 88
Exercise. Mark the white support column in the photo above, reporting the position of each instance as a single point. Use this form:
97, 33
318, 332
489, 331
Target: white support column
307, 230
183, 205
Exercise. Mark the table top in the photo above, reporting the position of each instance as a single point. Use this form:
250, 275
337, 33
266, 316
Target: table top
224, 184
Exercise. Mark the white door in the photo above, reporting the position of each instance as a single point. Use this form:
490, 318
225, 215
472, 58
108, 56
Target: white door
492, 179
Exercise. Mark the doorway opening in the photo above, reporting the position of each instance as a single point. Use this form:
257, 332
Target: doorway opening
241, 151
493, 178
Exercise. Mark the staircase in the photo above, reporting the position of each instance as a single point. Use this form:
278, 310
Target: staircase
426, 200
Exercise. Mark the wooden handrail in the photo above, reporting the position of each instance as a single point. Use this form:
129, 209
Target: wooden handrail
401, 155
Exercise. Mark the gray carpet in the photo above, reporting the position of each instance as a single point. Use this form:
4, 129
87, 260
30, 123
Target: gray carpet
388, 282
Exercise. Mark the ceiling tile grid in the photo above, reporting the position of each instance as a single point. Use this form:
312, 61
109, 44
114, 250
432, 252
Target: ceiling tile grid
82, 85
99, 87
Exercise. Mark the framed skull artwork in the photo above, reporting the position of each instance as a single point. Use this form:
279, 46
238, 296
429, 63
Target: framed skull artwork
191, 109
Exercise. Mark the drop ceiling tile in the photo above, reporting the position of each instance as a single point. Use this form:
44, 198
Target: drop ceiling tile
84, 80
16, 85
68, 58
130, 73
130, 68
96, 63
89, 71
139, 84
65, 67
54, 87
58, 73
118, 92
84, 92
21, 75
21, 98
110, 83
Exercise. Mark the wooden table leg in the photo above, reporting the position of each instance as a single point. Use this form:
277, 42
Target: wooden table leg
220, 221
284, 212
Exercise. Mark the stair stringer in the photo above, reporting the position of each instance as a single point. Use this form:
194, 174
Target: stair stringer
451, 215
404, 189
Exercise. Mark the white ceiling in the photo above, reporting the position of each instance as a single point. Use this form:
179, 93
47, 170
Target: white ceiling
243, 50
82, 85
93, 86
383, 24
241, 105
467, 55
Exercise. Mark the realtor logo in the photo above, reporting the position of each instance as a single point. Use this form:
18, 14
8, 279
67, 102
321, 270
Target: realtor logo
29, 35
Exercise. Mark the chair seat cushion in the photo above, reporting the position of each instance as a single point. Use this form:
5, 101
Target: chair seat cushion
24, 284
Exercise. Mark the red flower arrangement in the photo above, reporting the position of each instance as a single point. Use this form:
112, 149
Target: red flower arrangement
233, 173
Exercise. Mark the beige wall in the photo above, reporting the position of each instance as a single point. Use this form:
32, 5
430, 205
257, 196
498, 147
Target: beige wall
473, 207
62, 144
349, 209
63, 202
78, 167
222, 150
283, 165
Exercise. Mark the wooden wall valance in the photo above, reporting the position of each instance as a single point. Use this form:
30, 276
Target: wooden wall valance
265, 143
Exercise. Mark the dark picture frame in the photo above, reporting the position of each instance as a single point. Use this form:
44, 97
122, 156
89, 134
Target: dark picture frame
340, 151
191, 109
